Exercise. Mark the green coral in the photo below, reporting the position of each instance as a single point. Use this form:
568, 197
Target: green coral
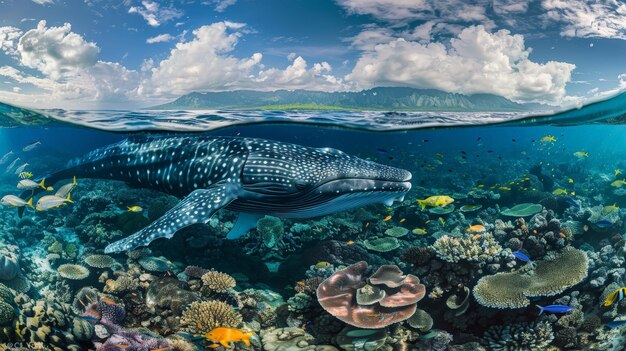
550, 277
523, 210
382, 245
6, 313
397, 232
466, 248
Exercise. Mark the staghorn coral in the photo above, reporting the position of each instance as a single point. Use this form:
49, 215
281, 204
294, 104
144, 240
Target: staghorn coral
337, 295
548, 278
218, 282
202, 317
466, 248
100, 261
73, 271
519, 337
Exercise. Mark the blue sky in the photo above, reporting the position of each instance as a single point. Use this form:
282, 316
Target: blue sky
132, 53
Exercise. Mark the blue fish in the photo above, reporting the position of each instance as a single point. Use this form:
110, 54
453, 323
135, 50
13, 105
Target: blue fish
522, 256
572, 203
90, 318
615, 324
603, 224
555, 309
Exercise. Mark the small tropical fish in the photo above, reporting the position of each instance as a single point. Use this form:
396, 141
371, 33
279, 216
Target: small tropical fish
442, 221
555, 309
11, 200
615, 324
610, 208
419, 231
135, 209
617, 172
615, 296
402, 220
66, 189
387, 218
90, 318
27, 184
570, 180
108, 301
559, 192
51, 201
226, 336
21, 168
322, 264
349, 242
548, 139
477, 228
6, 157
31, 146
25, 175
603, 224
436, 201
476, 236
522, 256
581, 154
504, 188
618, 183
301, 283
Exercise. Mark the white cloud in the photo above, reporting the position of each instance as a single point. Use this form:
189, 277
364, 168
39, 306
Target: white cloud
43, 2
8, 39
220, 5
588, 18
476, 62
299, 76
154, 14
161, 38
55, 51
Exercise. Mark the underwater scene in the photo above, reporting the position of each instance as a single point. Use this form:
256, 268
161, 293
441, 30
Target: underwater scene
309, 237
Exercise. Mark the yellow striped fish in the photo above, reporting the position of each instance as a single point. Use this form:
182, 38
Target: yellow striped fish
615, 296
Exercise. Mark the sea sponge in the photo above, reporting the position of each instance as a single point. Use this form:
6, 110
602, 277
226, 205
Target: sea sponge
202, 317
397, 232
382, 245
549, 277
73, 271
122, 284
100, 261
111, 312
467, 248
6, 313
217, 281
195, 272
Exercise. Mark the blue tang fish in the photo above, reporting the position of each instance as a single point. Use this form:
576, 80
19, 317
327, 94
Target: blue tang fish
522, 256
615, 324
555, 309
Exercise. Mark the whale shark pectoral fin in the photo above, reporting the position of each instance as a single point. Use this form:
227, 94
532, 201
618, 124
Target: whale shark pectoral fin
197, 207
245, 222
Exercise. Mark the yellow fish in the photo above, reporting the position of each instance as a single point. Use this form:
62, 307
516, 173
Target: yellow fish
442, 221
436, 201
135, 209
615, 296
386, 218
570, 180
504, 188
618, 183
419, 231
548, 139
617, 172
226, 336
559, 192
610, 208
477, 228
25, 175
581, 154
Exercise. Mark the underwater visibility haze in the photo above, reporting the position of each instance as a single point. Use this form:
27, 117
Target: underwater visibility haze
329, 175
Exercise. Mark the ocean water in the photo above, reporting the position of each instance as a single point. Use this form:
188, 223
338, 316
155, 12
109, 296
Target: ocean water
505, 212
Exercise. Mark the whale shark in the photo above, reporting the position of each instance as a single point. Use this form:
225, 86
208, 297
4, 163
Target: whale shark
254, 177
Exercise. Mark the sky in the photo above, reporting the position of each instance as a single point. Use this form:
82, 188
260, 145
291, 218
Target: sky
121, 54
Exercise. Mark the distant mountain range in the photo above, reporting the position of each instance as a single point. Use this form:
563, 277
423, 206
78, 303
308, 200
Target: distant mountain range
395, 99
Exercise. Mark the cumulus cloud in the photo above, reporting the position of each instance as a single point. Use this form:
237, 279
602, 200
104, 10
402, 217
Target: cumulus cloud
161, 38
220, 5
584, 18
155, 14
55, 50
475, 62
299, 76
8, 39
43, 2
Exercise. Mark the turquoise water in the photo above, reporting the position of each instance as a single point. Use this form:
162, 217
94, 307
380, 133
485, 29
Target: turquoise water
460, 281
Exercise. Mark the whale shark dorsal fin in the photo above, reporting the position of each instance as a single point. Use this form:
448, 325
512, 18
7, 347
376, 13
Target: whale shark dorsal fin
245, 222
197, 207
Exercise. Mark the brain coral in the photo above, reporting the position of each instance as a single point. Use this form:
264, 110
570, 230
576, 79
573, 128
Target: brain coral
548, 278
218, 281
99, 261
202, 317
73, 271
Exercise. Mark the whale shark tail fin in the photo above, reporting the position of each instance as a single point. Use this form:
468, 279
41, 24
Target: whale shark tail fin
197, 207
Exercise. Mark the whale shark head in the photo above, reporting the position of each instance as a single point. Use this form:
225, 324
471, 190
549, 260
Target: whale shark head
302, 182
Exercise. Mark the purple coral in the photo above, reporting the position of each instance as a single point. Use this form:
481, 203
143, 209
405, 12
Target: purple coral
131, 340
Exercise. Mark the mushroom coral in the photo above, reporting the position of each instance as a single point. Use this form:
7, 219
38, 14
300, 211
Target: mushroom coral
338, 296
